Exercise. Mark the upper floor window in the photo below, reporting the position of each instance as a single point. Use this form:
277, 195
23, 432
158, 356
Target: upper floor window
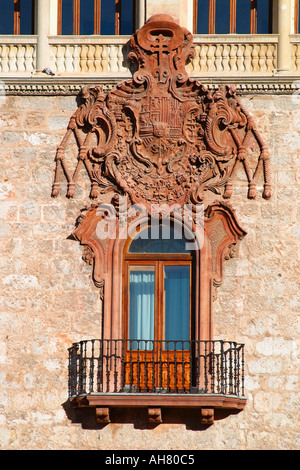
95, 17
16, 16
157, 303
232, 16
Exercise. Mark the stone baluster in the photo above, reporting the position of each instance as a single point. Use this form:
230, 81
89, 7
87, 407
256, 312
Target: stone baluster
76, 58
83, 58
97, 60
210, 58
12, 58
60, 59
68, 60
297, 57
203, 57
28, 58
240, 58
218, 58
104, 58
90, 58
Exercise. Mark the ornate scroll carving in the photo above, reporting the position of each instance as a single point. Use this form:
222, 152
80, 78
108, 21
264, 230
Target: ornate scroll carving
161, 136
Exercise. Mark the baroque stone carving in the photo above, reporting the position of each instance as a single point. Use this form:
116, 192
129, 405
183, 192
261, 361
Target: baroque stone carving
162, 137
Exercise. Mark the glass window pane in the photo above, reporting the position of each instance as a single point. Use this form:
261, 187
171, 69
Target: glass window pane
263, 17
26, 17
126, 26
202, 16
243, 15
141, 306
177, 304
67, 17
159, 239
222, 16
87, 17
107, 17
7, 17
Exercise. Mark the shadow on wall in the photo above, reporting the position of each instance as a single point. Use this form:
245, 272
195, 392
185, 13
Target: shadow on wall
139, 417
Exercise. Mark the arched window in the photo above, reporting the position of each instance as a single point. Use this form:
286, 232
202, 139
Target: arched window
16, 16
157, 300
96, 17
232, 16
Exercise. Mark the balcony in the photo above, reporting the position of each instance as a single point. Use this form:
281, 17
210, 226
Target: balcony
250, 62
155, 374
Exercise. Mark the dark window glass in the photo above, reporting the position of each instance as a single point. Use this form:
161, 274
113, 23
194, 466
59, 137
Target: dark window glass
6, 16
177, 303
263, 26
67, 17
87, 17
159, 239
243, 15
107, 17
26, 17
222, 16
202, 17
127, 24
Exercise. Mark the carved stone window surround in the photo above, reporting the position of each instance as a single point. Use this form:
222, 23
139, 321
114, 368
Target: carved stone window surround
162, 138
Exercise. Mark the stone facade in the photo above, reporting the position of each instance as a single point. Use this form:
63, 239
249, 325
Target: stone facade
48, 299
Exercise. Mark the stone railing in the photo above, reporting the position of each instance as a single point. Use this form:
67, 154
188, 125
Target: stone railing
215, 55
17, 54
81, 54
238, 54
295, 41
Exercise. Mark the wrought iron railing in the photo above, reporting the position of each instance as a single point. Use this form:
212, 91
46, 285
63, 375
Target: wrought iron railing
148, 366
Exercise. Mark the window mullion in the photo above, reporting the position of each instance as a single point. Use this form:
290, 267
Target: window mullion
253, 17
97, 16
76, 17
117, 16
212, 17
59, 17
17, 16
296, 17
232, 25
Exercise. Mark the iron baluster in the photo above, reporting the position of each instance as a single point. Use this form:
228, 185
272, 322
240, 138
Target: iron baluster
107, 365
91, 368
206, 358
153, 369
130, 366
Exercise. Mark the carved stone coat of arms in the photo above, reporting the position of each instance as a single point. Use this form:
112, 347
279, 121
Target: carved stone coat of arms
162, 136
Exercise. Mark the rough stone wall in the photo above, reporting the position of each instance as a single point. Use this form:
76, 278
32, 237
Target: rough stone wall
48, 300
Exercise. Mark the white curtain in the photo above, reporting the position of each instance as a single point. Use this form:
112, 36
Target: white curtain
141, 308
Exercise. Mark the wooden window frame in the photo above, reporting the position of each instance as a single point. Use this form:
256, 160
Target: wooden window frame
232, 16
296, 17
17, 17
97, 16
158, 261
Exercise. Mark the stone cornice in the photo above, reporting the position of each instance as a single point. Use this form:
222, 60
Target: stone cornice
71, 86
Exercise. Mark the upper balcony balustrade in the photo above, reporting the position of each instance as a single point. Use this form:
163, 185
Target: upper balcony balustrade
215, 55
156, 374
